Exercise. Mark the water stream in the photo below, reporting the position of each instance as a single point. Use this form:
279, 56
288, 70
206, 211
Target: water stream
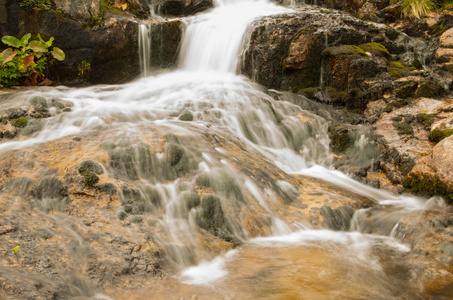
290, 260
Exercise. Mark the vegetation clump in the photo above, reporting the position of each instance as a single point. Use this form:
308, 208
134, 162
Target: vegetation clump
19, 122
88, 169
437, 135
26, 61
29, 5
426, 119
186, 117
376, 49
429, 186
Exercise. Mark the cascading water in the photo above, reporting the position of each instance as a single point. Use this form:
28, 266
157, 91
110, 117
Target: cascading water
233, 114
144, 50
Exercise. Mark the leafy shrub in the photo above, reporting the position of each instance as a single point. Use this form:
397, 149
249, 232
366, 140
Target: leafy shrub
27, 60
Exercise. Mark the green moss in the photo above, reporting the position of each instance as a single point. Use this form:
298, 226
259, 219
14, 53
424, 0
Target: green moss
336, 96
90, 166
376, 49
429, 186
8, 134
430, 89
339, 138
345, 50
19, 122
437, 135
186, 117
50, 187
396, 65
90, 178
403, 128
426, 119
397, 118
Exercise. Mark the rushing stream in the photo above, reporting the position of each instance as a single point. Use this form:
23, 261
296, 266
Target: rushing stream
287, 258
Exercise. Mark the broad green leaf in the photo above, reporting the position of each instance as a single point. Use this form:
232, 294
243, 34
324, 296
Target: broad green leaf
40, 38
11, 41
24, 40
58, 53
8, 55
49, 42
38, 46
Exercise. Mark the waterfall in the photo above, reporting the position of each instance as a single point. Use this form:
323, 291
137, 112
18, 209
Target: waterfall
213, 41
144, 48
203, 131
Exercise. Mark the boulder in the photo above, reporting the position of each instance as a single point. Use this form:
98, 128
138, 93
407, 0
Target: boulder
444, 54
433, 174
181, 7
81, 10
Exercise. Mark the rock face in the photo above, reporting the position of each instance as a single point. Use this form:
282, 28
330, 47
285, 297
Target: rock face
82, 9
111, 49
444, 54
433, 174
286, 52
181, 7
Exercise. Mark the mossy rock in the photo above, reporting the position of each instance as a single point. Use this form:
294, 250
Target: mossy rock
38, 101
108, 188
50, 187
336, 96
429, 186
19, 122
186, 117
376, 49
403, 128
406, 91
437, 135
345, 50
430, 89
203, 180
33, 125
90, 166
211, 216
190, 200
400, 69
339, 137
123, 164
8, 134
426, 119
175, 154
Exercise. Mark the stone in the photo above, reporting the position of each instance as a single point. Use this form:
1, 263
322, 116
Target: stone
82, 9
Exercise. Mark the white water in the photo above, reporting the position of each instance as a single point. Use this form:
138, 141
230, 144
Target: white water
208, 87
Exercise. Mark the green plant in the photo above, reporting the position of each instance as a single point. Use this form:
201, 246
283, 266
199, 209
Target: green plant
84, 69
416, 8
27, 59
41, 4
16, 249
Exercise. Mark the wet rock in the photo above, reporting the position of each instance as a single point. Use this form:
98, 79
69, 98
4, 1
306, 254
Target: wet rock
444, 54
90, 166
20, 185
338, 219
339, 137
182, 7
190, 200
433, 175
108, 188
32, 126
291, 45
186, 117
50, 187
82, 10
212, 218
